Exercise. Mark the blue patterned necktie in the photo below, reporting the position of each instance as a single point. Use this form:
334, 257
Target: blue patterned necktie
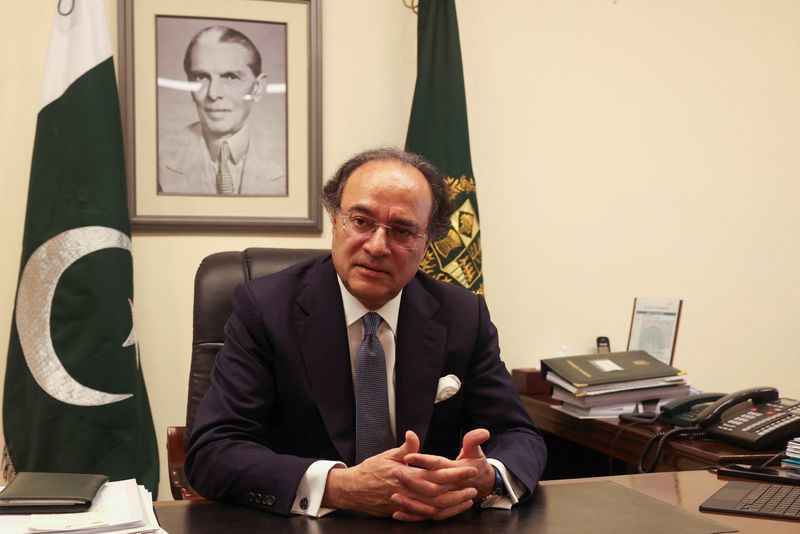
373, 428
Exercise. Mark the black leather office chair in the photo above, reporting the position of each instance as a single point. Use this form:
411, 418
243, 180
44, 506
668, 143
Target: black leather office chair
217, 276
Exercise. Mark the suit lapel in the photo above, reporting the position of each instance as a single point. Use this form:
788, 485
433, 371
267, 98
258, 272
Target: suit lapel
322, 333
419, 360
189, 159
261, 175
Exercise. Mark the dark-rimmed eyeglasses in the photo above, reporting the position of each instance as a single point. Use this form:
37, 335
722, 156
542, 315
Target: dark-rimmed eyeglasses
361, 226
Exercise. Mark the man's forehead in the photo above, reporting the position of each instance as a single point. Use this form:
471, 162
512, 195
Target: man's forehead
387, 174
385, 177
209, 48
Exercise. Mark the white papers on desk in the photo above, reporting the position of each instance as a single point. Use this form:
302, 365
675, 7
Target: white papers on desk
614, 387
120, 507
613, 410
608, 415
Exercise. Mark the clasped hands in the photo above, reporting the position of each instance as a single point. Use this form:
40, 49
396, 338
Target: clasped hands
411, 486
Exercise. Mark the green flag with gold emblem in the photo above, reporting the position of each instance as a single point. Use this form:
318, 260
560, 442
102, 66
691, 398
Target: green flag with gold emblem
438, 131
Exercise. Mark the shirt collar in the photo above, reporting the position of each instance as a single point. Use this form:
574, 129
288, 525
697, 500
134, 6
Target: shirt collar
354, 310
237, 142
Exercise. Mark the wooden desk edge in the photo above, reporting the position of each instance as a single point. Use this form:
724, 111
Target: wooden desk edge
683, 489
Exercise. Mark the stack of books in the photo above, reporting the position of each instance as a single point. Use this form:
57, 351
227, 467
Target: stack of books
792, 462
606, 385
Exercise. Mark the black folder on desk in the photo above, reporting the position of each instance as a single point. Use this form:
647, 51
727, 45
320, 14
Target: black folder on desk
37, 493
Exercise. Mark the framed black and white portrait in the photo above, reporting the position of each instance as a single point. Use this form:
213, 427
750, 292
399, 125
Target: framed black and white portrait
221, 107
221, 113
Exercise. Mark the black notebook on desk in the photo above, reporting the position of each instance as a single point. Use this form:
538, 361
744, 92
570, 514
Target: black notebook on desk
38, 493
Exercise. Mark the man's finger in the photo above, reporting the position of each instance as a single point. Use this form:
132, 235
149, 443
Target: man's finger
428, 461
432, 508
417, 503
433, 483
416, 511
409, 446
471, 444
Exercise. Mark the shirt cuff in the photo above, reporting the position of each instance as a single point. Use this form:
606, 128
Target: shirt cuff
513, 487
308, 499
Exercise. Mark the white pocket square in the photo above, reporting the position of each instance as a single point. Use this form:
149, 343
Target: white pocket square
447, 387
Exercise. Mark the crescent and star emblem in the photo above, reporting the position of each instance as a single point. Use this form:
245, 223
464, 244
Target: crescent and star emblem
37, 287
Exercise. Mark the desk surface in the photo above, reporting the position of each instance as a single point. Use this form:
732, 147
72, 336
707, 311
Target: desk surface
685, 489
608, 437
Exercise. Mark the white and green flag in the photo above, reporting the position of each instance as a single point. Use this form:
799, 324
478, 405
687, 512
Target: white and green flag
75, 399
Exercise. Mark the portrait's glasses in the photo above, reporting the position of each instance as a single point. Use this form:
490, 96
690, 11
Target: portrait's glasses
361, 227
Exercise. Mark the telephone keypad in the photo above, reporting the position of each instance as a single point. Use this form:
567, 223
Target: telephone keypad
760, 426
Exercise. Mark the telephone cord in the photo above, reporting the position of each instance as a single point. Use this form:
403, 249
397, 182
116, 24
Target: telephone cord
660, 439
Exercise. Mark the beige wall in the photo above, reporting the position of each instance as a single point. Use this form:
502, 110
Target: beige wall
621, 149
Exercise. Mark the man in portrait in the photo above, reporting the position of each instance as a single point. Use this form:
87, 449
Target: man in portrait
224, 152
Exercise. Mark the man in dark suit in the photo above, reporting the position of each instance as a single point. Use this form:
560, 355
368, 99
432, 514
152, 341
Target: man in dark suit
283, 425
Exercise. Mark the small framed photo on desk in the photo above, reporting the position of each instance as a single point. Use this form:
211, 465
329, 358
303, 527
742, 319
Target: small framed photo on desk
654, 327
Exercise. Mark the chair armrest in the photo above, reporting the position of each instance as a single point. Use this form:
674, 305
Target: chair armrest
178, 485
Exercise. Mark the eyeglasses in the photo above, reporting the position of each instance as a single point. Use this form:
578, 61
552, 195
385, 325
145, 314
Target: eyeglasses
359, 226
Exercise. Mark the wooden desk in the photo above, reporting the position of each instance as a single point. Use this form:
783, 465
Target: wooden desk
684, 489
604, 436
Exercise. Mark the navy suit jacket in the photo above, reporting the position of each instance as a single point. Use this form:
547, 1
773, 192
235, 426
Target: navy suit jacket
281, 393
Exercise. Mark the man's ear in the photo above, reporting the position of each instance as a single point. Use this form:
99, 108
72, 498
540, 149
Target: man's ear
260, 87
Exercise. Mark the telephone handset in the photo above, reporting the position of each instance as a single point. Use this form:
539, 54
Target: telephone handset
712, 414
754, 418
684, 411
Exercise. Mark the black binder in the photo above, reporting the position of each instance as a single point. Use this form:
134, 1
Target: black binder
39, 493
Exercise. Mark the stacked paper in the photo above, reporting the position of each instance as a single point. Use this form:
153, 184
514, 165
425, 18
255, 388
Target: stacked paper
610, 384
120, 507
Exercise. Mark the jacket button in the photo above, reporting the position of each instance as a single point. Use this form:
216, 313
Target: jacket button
269, 500
304, 503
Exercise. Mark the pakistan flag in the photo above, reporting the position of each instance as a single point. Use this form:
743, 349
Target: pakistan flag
75, 398
438, 130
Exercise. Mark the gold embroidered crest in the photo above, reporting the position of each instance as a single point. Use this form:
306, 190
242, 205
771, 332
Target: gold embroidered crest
456, 258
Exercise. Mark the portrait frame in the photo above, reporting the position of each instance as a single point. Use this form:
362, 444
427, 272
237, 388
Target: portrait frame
299, 210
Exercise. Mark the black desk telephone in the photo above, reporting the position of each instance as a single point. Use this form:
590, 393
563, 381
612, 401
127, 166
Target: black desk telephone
754, 418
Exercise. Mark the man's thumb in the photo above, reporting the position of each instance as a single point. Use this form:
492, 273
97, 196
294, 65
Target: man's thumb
410, 445
471, 444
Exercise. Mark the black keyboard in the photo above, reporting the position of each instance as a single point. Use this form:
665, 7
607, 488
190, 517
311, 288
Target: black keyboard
756, 498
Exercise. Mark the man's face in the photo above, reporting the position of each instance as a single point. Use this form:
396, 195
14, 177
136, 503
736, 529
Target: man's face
391, 193
228, 86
